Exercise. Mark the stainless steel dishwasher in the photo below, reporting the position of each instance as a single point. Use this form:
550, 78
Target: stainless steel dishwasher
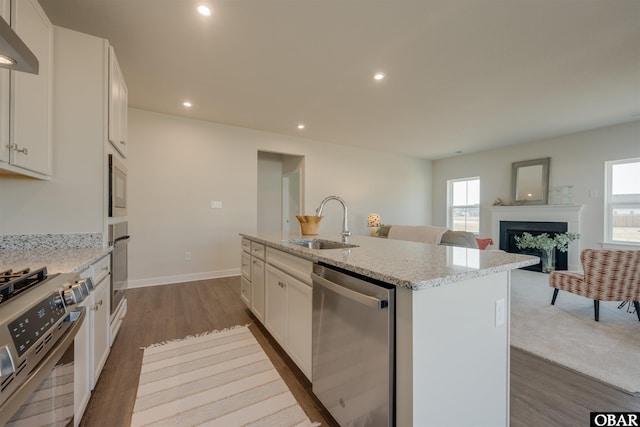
353, 368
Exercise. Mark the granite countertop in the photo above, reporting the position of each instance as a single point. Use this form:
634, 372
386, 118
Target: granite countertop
56, 260
408, 264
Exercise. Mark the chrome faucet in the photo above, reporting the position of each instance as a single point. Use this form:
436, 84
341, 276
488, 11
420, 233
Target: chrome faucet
345, 232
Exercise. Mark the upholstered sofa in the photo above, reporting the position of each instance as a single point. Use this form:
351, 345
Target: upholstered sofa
430, 234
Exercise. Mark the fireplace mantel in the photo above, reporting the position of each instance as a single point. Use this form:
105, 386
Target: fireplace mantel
561, 213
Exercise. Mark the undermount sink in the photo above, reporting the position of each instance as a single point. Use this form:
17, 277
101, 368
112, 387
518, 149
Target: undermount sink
320, 244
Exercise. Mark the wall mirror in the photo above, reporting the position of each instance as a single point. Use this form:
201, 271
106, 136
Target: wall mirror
530, 182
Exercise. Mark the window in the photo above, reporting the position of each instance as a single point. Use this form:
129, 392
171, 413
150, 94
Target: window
464, 205
622, 201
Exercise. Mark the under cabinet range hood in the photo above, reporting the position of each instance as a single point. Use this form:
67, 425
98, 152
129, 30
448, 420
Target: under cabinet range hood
14, 54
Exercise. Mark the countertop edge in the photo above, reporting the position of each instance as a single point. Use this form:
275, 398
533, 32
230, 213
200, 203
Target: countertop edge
67, 260
314, 256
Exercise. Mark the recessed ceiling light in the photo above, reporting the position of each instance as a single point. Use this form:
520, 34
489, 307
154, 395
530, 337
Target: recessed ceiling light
187, 104
204, 10
7, 60
378, 76
300, 126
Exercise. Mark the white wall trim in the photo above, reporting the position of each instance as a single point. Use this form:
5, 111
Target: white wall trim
168, 280
620, 246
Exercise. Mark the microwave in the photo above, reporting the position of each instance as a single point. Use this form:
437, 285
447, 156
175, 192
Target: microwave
117, 187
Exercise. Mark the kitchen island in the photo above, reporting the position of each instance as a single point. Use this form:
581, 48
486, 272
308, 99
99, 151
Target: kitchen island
451, 323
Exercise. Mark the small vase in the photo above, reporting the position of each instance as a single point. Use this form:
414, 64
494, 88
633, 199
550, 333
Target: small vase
548, 258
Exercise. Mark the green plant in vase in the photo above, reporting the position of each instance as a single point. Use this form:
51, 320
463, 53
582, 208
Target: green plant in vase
547, 245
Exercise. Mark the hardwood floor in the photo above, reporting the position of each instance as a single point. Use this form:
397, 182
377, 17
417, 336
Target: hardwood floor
542, 394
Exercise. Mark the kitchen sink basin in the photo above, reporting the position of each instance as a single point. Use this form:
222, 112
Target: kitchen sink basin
320, 244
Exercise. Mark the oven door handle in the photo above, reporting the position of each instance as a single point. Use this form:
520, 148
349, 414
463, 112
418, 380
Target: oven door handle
42, 370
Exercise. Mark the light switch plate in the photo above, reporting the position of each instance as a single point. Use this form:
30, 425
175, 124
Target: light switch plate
216, 204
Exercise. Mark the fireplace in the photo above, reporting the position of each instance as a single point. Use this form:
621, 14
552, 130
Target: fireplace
510, 229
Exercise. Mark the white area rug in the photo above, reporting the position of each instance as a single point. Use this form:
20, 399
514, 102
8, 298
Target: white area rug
566, 333
218, 379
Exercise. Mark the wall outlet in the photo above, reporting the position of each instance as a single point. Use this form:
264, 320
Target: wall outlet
216, 204
187, 256
500, 312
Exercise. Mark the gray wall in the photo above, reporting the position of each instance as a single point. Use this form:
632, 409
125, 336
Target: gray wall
576, 159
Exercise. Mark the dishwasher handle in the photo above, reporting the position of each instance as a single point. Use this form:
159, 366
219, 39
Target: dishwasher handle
367, 300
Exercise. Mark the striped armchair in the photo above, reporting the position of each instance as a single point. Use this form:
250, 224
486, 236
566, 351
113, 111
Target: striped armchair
608, 276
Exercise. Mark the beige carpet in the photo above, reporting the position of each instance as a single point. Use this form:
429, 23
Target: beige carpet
565, 333
218, 379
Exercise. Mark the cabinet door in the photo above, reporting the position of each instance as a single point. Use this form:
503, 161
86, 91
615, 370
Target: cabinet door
245, 265
298, 323
118, 97
245, 291
100, 312
30, 115
124, 111
4, 115
257, 288
82, 367
275, 303
4, 95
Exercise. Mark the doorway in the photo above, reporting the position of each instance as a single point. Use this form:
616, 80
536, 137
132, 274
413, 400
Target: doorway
280, 191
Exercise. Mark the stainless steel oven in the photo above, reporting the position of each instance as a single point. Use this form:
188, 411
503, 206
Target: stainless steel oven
117, 187
118, 238
39, 319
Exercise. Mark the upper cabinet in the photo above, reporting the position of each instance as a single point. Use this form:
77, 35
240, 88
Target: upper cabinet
118, 100
25, 99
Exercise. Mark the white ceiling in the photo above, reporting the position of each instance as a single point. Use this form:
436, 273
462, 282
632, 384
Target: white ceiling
462, 75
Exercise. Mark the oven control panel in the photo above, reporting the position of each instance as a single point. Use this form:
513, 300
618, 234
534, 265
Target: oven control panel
34, 323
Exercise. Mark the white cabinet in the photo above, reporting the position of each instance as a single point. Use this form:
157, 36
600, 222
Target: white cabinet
82, 365
91, 344
276, 303
100, 318
257, 288
26, 99
245, 270
299, 315
257, 280
245, 277
277, 288
118, 101
5, 13
288, 310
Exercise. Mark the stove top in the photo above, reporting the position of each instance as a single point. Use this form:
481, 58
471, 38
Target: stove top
13, 283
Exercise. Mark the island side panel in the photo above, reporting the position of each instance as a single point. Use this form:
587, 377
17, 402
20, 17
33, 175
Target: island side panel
452, 360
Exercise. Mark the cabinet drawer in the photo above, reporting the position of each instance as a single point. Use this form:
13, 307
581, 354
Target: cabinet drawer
101, 269
246, 245
257, 250
297, 267
245, 265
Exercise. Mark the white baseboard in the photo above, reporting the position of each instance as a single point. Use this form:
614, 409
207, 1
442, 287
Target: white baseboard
168, 280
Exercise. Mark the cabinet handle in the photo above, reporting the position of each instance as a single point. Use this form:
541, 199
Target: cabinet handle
281, 284
14, 147
105, 268
97, 306
123, 143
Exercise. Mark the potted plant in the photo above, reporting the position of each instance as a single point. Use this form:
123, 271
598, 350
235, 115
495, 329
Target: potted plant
547, 245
